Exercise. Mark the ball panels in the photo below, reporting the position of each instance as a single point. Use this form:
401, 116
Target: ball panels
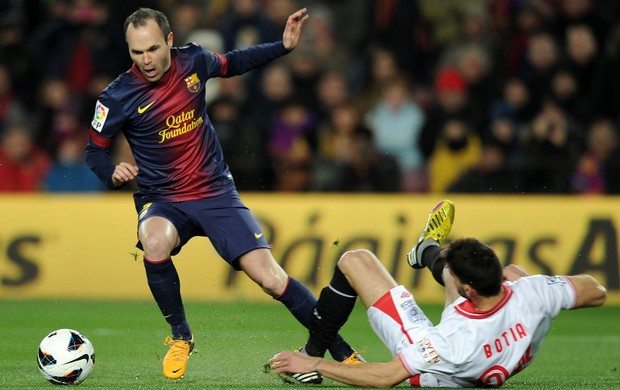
66, 356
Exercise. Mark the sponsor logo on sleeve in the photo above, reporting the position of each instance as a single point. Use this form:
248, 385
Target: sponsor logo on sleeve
555, 280
101, 114
427, 352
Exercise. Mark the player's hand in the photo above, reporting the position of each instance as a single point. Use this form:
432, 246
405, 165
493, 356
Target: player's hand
292, 31
123, 173
293, 362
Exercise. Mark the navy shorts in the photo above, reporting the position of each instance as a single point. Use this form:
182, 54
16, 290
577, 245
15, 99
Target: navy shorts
224, 219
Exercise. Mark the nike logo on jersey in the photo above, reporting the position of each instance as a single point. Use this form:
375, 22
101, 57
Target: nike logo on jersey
258, 235
142, 110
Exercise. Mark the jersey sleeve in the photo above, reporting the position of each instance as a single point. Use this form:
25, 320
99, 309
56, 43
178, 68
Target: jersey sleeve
240, 61
107, 122
553, 292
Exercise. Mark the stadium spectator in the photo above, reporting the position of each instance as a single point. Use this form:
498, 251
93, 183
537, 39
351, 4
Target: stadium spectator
335, 147
608, 90
586, 13
542, 61
585, 62
494, 321
508, 114
11, 108
15, 52
23, 166
245, 24
370, 169
59, 114
396, 123
248, 161
492, 174
332, 89
276, 89
292, 146
528, 21
69, 172
458, 149
436, 27
185, 17
565, 93
348, 159
382, 70
81, 42
596, 170
474, 64
477, 30
451, 102
505, 133
306, 70
550, 150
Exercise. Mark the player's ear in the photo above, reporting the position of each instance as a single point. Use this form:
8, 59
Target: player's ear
169, 39
469, 291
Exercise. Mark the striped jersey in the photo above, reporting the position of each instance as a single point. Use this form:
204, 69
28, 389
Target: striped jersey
166, 124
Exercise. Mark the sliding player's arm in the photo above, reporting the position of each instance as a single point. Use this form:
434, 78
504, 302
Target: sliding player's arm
387, 374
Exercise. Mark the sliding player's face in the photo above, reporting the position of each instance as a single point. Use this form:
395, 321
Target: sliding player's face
149, 50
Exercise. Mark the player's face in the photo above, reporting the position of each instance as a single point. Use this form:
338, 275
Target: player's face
149, 50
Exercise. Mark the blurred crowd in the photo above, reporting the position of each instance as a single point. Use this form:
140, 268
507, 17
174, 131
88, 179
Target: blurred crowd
426, 96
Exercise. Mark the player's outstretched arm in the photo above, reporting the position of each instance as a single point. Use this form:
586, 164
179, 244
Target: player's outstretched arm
292, 31
590, 292
387, 374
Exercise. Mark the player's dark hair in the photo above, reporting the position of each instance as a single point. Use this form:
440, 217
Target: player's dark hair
476, 264
141, 16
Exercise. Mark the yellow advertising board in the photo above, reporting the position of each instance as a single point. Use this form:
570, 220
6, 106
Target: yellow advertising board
54, 246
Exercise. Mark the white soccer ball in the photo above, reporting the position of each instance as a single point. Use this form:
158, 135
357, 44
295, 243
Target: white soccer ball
66, 357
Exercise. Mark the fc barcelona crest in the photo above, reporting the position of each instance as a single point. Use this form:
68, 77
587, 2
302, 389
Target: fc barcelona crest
193, 83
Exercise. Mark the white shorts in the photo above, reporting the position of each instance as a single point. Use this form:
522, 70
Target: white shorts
405, 330
396, 317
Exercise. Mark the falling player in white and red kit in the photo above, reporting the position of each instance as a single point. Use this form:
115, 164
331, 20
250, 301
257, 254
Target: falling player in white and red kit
491, 328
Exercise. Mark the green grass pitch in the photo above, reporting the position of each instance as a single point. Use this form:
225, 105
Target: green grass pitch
233, 341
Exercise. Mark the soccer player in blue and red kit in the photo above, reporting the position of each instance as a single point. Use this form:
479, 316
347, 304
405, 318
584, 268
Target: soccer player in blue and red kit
185, 188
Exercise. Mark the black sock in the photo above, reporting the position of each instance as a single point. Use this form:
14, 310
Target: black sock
431, 257
340, 283
166, 289
300, 301
333, 308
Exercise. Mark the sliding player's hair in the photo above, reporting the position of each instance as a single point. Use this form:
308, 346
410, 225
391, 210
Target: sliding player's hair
476, 264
